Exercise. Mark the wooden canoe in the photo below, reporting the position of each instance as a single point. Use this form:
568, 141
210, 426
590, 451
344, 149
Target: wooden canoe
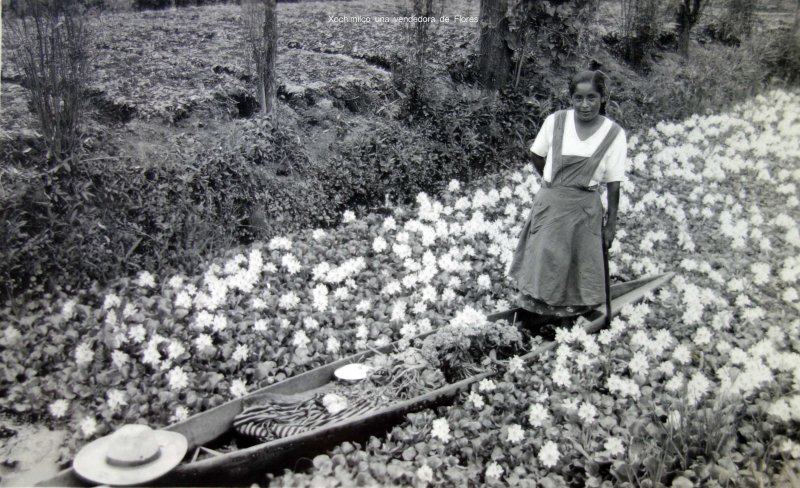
245, 465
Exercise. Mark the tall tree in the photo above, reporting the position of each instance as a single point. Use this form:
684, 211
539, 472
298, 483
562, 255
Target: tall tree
494, 59
689, 12
261, 25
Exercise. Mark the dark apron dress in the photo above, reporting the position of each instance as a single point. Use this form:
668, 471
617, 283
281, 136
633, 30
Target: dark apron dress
558, 263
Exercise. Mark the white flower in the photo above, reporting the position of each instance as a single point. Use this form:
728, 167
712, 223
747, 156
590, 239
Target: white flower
83, 354
441, 430
116, 399
300, 339
68, 309
515, 433
238, 388
561, 376
88, 426
145, 280
183, 300
425, 474
675, 383
681, 354
260, 325
178, 380
454, 186
549, 454
614, 446
702, 336
587, 412
279, 243
11, 335
761, 273
288, 300
476, 400
241, 353
348, 216
674, 419
220, 323
58, 408
696, 388
379, 244
515, 364
310, 323
181, 414
494, 470
486, 385
318, 234
332, 345
639, 364
111, 300
389, 223
291, 264
203, 341
119, 358
538, 414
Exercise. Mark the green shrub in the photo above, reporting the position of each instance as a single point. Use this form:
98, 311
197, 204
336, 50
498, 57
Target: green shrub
783, 57
51, 51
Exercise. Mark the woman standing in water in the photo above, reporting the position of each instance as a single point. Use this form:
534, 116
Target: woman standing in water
558, 264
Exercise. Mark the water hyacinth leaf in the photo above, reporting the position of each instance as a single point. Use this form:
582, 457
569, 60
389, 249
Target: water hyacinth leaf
409, 454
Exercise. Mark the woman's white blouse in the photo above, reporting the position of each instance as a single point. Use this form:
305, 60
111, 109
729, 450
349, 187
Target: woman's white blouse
612, 165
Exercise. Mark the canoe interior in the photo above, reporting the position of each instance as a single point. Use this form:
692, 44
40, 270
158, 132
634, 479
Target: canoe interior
214, 425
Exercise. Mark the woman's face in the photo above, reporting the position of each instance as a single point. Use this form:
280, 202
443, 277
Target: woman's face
586, 101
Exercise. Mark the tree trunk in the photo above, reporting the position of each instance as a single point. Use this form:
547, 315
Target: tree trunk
266, 74
494, 59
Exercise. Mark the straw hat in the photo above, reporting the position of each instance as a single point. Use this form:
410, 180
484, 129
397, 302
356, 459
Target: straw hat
132, 455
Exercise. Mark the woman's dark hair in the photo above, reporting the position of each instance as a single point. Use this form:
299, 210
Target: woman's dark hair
598, 80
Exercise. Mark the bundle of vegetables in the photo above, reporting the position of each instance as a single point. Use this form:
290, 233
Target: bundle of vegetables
459, 348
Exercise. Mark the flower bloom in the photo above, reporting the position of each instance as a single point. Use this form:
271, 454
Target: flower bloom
241, 353
379, 245
348, 216
486, 385
178, 379
441, 430
476, 400
84, 354
587, 412
116, 399
494, 470
614, 446
538, 414
515, 364
58, 408
181, 414
119, 358
454, 186
425, 474
515, 433
288, 300
88, 426
549, 454
145, 280
238, 388
681, 354
696, 388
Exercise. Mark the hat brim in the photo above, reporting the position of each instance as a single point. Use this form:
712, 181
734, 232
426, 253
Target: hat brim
91, 463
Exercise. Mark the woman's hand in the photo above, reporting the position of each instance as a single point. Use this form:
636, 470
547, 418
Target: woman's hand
609, 231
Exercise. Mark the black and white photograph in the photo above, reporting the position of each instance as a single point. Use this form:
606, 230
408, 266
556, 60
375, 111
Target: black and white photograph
423, 243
